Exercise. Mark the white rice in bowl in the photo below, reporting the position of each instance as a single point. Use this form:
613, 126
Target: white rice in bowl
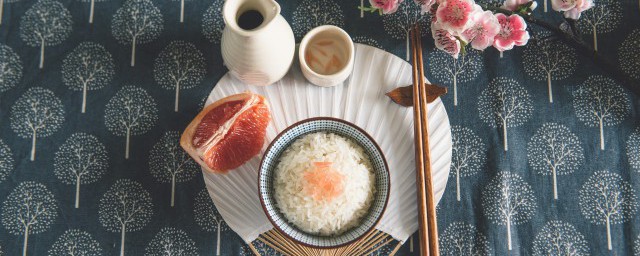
324, 217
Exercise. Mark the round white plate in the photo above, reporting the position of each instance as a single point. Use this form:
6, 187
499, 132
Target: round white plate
360, 100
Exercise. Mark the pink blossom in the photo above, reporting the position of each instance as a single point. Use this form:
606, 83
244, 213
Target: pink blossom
387, 6
454, 14
513, 5
444, 40
512, 32
564, 5
481, 34
425, 5
580, 7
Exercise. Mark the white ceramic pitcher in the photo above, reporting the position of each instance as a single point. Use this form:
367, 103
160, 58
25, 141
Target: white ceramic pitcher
260, 55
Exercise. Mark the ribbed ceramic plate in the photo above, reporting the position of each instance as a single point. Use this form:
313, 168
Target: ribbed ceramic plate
361, 100
346, 130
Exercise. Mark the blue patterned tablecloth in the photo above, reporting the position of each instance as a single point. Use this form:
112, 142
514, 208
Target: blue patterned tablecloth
75, 102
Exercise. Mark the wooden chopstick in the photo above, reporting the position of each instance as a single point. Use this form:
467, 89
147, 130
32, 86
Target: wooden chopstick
417, 130
429, 227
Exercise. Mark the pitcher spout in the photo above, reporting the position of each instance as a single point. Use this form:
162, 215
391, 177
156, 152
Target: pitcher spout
246, 17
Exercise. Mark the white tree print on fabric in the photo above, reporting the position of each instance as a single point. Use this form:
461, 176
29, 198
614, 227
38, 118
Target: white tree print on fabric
92, 4
555, 150
604, 17
636, 247
449, 70
10, 68
171, 242
2, 2
125, 207
261, 249
137, 22
29, 209
633, 150
468, 154
399, 23
559, 238
629, 54
505, 103
46, 23
366, 40
88, 67
181, 10
212, 22
82, 159
460, 238
180, 65
6, 161
312, 13
37, 113
600, 102
75, 242
547, 59
132, 111
607, 199
508, 200
207, 216
169, 163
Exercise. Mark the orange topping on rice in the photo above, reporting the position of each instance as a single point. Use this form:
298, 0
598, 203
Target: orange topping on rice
323, 182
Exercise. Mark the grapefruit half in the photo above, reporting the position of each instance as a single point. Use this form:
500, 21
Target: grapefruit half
227, 133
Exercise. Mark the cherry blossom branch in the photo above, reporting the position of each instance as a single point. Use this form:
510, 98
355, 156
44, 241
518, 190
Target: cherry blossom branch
572, 39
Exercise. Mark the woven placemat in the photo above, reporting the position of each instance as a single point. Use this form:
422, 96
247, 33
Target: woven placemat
371, 242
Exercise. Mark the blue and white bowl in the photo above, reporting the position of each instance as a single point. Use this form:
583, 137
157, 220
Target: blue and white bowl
347, 130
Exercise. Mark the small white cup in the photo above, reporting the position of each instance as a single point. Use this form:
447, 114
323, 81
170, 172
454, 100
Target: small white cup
326, 55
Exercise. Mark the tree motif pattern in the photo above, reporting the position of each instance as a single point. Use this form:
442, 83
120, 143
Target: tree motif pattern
171, 242
10, 68
88, 67
46, 23
367, 40
75, 242
505, 103
179, 66
29, 209
312, 13
261, 248
137, 22
125, 207
181, 10
604, 17
508, 200
82, 159
636, 247
559, 238
607, 199
92, 5
448, 70
208, 217
170, 164
6, 161
212, 22
633, 150
600, 102
555, 150
37, 113
398, 24
132, 111
468, 154
629, 54
547, 59
460, 238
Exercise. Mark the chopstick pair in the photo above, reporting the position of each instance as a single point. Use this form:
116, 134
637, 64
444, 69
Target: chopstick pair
426, 202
